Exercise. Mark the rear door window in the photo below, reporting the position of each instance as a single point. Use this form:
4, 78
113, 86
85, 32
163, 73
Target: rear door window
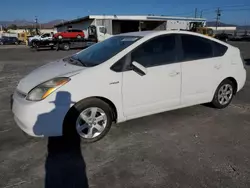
76, 30
195, 47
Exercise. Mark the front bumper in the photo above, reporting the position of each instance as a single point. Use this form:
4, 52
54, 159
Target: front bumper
38, 119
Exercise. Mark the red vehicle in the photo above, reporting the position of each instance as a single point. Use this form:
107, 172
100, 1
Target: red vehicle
70, 33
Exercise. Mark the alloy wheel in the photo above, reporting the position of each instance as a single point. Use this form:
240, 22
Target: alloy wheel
91, 122
225, 94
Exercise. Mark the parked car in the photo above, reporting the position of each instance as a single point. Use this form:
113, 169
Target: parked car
224, 36
245, 37
45, 36
9, 40
124, 77
70, 33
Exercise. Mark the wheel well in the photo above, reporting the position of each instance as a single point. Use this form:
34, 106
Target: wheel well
112, 106
110, 103
234, 82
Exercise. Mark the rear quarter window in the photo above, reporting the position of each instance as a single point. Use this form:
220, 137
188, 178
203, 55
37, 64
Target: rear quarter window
219, 49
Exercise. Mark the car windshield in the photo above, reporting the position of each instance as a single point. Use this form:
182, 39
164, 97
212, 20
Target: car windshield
101, 52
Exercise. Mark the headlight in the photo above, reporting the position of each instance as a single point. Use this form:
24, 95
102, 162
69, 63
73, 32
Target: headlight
43, 90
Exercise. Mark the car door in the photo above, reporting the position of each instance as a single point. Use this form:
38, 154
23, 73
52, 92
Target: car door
68, 34
201, 69
154, 84
78, 33
73, 33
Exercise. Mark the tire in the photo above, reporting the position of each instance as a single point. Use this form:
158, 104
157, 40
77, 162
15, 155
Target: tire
66, 47
73, 119
33, 44
59, 37
78, 37
219, 100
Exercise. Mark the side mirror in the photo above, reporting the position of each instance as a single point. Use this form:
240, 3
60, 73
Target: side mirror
138, 68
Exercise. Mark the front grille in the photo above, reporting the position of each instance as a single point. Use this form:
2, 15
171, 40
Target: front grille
21, 94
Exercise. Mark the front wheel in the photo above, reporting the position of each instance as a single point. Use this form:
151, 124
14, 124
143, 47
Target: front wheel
224, 94
33, 44
90, 119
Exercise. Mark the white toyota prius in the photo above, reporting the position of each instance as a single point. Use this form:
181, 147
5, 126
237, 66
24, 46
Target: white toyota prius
124, 77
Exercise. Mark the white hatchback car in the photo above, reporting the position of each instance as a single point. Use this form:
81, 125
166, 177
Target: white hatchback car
124, 77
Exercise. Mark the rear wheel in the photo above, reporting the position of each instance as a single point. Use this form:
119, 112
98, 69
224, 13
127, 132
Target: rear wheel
224, 94
78, 36
66, 46
59, 37
91, 119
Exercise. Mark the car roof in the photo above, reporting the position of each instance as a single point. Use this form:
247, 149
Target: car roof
149, 34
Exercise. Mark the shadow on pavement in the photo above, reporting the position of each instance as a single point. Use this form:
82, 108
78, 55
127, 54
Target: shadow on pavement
65, 166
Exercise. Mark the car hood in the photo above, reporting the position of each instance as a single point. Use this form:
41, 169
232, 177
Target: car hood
58, 68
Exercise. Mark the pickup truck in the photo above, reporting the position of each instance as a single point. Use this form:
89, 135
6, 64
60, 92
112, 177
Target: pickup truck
43, 37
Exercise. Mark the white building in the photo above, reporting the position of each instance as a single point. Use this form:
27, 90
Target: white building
116, 24
224, 29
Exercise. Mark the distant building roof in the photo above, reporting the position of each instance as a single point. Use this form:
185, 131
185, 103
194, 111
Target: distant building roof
130, 17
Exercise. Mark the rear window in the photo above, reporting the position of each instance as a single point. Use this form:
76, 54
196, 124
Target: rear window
219, 49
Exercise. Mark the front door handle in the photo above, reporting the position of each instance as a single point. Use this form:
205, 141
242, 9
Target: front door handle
174, 73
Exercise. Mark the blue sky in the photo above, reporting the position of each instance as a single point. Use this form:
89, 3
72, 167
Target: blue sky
46, 10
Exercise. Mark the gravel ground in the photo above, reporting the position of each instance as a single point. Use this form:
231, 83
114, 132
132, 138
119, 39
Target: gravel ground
191, 147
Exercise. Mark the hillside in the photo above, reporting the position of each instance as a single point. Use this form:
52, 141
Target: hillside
49, 24
239, 27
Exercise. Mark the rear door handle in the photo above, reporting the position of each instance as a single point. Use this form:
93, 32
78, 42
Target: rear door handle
174, 73
217, 66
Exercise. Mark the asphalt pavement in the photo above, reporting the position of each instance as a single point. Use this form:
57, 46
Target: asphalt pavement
192, 147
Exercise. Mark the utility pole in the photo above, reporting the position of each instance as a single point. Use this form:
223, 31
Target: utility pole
201, 14
195, 12
218, 14
36, 20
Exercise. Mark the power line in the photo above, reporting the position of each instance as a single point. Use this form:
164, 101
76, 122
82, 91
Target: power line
236, 9
226, 6
182, 14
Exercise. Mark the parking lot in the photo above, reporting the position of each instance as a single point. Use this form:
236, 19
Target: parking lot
192, 147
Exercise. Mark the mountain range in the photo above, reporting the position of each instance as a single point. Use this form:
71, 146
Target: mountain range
19, 23
239, 27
